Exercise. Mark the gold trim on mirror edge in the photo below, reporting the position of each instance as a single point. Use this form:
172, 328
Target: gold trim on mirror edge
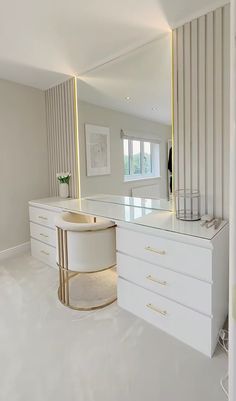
172, 119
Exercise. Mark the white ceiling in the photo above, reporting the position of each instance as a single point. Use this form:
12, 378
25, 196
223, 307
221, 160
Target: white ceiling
144, 75
42, 41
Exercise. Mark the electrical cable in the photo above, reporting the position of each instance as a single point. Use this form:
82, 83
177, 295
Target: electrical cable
224, 343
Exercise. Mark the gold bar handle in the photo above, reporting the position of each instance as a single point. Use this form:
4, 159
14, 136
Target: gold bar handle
157, 310
45, 253
43, 218
43, 235
149, 277
150, 249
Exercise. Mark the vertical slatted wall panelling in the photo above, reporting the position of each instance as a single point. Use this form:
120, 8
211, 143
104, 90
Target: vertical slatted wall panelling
201, 109
62, 135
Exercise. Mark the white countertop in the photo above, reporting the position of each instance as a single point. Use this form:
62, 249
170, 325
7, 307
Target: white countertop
157, 219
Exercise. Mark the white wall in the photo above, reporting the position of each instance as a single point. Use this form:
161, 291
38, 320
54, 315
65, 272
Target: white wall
23, 159
114, 183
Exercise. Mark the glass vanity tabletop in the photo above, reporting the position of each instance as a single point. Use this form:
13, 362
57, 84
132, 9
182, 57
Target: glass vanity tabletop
133, 211
146, 203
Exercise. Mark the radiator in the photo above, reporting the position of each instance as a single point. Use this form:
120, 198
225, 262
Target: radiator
147, 191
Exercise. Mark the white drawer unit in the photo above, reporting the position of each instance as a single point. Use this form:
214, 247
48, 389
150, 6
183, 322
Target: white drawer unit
173, 274
180, 287
186, 290
43, 234
186, 325
43, 252
42, 216
185, 258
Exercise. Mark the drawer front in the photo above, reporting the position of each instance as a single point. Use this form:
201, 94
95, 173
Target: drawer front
42, 233
188, 259
43, 252
191, 292
42, 216
188, 326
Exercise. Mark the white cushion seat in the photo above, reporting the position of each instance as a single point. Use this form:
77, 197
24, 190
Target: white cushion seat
91, 244
81, 222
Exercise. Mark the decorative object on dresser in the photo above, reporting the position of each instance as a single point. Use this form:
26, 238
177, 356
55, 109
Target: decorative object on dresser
64, 179
187, 204
86, 257
97, 150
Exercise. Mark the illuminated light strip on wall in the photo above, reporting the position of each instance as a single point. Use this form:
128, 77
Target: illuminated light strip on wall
172, 116
77, 134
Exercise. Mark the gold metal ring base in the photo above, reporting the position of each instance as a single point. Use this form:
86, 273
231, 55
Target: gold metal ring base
89, 308
65, 284
65, 275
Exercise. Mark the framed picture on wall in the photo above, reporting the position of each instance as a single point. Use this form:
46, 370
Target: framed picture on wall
97, 150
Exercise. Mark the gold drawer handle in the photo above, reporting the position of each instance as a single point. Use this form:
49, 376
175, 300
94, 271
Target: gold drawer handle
45, 253
43, 218
157, 310
150, 249
43, 235
149, 277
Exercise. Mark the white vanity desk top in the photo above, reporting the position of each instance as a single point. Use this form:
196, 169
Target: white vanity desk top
140, 216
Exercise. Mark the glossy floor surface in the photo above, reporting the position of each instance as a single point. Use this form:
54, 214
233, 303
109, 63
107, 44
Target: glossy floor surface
51, 353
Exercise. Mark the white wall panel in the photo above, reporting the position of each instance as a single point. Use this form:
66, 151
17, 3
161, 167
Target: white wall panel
181, 108
201, 109
218, 111
194, 104
226, 106
210, 112
61, 132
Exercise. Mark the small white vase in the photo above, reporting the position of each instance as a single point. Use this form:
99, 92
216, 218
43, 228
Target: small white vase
63, 190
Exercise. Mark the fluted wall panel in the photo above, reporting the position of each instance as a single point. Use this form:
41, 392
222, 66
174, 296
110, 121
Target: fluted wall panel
61, 133
201, 109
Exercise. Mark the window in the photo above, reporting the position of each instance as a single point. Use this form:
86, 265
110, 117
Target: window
141, 159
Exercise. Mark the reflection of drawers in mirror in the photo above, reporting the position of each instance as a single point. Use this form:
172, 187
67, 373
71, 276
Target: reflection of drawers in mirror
180, 286
43, 234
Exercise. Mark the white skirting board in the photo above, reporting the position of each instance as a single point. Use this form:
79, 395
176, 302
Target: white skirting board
16, 250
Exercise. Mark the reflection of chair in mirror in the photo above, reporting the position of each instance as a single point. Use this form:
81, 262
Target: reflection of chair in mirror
86, 257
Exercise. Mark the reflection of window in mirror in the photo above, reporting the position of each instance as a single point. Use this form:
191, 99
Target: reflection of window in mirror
130, 95
141, 159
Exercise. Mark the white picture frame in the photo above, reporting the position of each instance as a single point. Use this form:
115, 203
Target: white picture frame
97, 150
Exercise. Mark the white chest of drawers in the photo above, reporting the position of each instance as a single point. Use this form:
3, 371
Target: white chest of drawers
43, 233
173, 274
180, 285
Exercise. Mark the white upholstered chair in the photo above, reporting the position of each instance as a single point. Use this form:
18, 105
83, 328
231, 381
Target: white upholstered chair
86, 257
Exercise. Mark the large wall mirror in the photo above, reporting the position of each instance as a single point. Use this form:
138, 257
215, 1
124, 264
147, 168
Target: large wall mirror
124, 110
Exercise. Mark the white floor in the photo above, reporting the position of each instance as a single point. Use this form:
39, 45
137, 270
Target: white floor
51, 353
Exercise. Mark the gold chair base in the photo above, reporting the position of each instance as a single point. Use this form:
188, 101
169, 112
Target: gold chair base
65, 275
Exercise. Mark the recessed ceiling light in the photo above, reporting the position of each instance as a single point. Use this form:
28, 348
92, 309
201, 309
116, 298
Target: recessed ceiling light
154, 108
127, 98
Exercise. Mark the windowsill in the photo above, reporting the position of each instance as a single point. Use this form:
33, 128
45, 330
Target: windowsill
132, 179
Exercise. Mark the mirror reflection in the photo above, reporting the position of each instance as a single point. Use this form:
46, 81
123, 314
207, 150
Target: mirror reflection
124, 110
